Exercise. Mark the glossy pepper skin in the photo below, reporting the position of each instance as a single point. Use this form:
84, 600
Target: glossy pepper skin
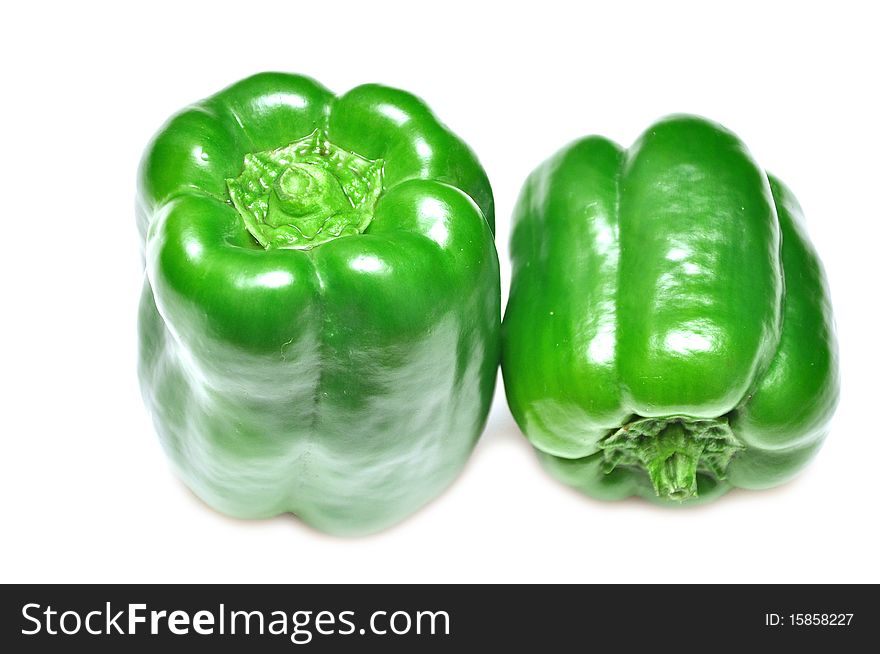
669, 333
327, 344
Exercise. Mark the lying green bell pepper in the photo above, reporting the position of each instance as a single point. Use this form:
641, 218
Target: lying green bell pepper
669, 332
319, 325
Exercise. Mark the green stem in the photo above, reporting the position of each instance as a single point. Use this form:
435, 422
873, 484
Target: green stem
671, 462
672, 450
300, 189
307, 193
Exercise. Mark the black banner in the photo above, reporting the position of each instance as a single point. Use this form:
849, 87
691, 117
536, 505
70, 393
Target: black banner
431, 618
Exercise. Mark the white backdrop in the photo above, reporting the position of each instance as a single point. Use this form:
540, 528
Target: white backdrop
87, 494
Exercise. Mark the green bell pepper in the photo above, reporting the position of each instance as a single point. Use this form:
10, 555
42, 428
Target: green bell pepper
320, 319
669, 333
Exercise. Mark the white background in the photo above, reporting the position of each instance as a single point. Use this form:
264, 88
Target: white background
86, 491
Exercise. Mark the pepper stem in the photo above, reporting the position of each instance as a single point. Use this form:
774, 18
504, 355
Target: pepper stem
672, 465
306, 193
672, 451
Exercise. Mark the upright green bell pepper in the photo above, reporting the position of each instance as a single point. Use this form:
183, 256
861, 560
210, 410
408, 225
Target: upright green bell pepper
319, 325
669, 332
